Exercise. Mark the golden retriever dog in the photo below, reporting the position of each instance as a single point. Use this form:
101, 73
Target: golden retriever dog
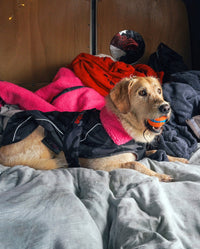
132, 102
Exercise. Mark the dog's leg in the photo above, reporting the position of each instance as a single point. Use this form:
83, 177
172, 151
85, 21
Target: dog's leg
126, 160
170, 158
177, 159
143, 169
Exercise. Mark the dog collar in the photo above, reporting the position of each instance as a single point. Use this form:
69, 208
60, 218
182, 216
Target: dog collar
113, 127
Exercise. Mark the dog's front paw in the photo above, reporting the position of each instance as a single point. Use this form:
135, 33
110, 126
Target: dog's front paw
182, 160
177, 159
164, 177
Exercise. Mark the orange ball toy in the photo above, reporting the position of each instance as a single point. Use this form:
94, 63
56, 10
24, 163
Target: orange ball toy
158, 122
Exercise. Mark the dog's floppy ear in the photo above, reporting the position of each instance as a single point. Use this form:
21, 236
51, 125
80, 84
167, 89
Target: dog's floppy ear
119, 95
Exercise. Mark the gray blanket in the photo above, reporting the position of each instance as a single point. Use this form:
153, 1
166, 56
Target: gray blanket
87, 209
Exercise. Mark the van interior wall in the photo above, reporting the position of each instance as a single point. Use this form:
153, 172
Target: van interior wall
193, 8
38, 37
157, 21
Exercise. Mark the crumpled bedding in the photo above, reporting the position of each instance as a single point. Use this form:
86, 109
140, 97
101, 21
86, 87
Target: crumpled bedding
183, 94
83, 208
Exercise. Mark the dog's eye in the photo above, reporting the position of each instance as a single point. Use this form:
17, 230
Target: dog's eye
159, 91
143, 92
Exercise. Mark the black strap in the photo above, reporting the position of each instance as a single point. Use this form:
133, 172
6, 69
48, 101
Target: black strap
72, 141
66, 91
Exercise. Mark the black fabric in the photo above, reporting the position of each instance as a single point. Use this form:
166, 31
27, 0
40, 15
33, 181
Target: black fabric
23, 123
2, 102
72, 137
167, 60
183, 93
97, 142
77, 134
193, 8
159, 155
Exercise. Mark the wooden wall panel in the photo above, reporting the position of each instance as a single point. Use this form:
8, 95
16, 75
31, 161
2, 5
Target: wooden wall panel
156, 20
39, 36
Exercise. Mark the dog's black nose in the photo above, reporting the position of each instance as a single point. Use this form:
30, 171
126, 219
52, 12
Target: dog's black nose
164, 108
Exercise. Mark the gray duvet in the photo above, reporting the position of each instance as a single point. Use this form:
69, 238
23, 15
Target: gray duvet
86, 209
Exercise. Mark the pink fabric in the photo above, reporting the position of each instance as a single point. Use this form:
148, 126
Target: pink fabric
77, 100
113, 127
25, 99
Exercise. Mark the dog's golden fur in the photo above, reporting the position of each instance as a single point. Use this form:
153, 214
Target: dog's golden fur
133, 101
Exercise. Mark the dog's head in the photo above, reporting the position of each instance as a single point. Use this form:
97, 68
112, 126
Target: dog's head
135, 101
